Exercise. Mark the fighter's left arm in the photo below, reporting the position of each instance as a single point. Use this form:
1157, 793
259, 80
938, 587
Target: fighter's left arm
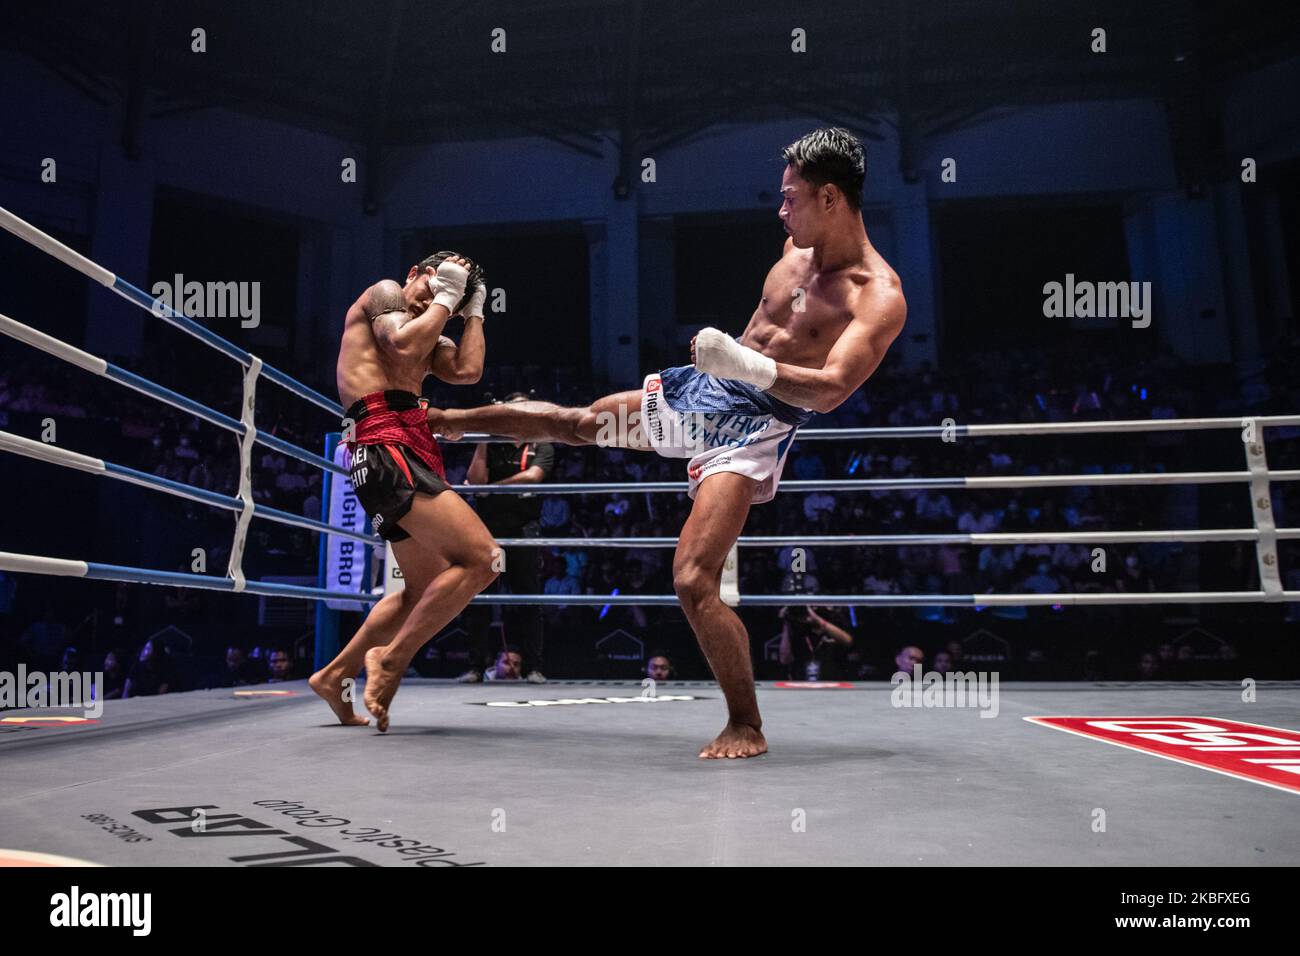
852, 360
460, 364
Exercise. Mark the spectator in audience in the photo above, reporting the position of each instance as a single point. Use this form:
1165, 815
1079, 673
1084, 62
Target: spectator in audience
509, 666
817, 503
812, 647
975, 520
240, 671
1148, 668
658, 667
511, 516
933, 510
280, 666
151, 673
908, 658
114, 679
1042, 581
956, 653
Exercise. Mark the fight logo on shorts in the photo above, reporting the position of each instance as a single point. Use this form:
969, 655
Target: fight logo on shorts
654, 385
650, 412
1254, 752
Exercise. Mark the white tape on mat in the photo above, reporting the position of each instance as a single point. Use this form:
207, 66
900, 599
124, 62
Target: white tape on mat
236, 569
1261, 507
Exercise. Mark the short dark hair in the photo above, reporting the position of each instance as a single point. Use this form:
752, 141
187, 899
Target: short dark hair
830, 155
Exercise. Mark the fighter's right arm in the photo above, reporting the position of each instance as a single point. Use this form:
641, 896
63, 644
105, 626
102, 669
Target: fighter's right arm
395, 329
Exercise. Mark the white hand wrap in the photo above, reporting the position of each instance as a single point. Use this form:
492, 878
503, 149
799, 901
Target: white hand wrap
718, 354
448, 286
474, 307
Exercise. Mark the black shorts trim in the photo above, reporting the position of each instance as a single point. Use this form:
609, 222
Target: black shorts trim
386, 478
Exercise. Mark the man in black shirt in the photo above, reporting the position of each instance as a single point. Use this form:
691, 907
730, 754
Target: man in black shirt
813, 647
510, 516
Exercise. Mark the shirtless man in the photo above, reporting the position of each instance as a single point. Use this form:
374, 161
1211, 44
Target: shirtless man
392, 339
831, 307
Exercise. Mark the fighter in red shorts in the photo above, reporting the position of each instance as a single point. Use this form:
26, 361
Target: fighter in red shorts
392, 339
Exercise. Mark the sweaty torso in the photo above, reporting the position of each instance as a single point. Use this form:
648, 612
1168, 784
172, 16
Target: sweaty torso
803, 312
363, 367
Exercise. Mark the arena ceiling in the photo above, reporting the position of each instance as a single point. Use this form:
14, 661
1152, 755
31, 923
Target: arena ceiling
595, 73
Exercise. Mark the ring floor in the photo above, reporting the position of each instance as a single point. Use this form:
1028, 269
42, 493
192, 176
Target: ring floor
850, 779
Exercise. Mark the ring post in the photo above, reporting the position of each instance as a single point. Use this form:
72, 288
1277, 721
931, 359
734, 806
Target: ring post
327, 619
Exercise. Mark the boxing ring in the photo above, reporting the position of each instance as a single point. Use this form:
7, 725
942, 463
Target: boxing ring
512, 773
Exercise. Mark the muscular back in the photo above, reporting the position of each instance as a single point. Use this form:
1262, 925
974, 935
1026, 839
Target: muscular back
804, 312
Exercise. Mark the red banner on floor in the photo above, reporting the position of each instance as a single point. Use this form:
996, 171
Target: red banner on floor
1255, 752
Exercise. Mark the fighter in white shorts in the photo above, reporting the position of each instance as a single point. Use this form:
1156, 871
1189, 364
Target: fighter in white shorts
831, 306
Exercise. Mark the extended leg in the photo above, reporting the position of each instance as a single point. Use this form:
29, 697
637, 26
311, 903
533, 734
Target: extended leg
612, 421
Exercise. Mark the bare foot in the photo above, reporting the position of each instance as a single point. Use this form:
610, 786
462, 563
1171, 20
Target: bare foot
736, 740
439, 424
330, 688
381, 684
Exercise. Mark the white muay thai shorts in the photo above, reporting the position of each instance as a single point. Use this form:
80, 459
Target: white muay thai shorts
721, 425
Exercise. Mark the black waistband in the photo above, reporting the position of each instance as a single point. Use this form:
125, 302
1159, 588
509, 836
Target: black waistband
394, 400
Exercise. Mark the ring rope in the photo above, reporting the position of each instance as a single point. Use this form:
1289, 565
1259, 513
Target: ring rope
1190, 536
104, 369
1009, 430
60, 567
52, 454
887, 484
34, 564
903, 600
51, 246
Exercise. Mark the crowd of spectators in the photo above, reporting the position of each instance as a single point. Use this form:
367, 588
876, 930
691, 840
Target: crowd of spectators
998, 387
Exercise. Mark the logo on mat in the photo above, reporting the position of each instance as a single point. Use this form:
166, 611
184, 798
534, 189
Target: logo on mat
1254, 752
